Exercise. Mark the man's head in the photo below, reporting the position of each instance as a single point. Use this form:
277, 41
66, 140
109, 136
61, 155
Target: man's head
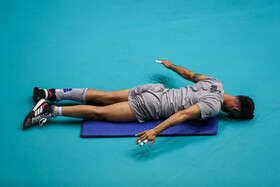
241, 107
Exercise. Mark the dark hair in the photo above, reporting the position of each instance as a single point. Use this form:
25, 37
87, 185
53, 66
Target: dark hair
247, 107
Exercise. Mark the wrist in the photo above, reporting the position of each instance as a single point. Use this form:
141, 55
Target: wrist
156, 130
172, 67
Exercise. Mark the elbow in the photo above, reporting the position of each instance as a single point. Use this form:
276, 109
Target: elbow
187, 115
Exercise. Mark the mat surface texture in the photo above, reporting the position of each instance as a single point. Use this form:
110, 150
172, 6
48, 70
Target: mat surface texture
110, 129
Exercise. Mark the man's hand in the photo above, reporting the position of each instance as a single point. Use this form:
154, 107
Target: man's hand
166, 63
184, 72
149, 135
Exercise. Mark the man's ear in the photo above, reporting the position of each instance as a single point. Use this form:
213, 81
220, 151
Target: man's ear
236, 108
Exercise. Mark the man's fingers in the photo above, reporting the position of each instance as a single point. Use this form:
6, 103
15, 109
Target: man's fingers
145, 137
141, 138
138, 142
140, 133
158, 61
145, 141
152, 142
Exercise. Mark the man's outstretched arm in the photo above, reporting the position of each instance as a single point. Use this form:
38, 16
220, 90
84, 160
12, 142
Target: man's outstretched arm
184, 72
192, 112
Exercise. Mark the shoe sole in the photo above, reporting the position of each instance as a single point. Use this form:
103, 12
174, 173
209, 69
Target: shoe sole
27, 125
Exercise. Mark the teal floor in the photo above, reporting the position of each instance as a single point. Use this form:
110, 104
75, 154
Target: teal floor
111, 45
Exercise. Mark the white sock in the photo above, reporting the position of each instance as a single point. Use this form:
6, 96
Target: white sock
57, 111
74, 94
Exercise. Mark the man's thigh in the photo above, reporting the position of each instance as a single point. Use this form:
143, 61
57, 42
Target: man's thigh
118, 112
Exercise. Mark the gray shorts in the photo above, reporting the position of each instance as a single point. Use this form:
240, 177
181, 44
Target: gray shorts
145, 101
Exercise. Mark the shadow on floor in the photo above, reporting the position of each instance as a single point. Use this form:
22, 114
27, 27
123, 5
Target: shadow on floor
164, 145
165, 80
168, 144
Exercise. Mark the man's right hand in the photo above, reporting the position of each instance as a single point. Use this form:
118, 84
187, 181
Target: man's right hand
166, 63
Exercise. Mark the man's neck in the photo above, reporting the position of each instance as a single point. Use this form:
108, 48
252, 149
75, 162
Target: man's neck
228, 99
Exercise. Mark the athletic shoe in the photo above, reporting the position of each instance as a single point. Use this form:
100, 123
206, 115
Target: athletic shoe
39, 93
41, 112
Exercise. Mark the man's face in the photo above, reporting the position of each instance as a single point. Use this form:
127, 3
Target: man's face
231, 112
225, 108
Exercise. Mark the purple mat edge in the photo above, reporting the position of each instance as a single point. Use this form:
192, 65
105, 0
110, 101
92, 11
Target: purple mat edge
83, 135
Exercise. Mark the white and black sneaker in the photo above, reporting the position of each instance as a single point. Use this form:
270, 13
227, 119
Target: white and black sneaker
40, 93
41, 112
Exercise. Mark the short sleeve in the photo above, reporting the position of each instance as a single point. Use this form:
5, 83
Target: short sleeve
209, 108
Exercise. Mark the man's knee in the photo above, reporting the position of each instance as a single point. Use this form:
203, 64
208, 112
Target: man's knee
98, 113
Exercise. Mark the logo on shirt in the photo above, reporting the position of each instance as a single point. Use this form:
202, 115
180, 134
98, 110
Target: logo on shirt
214, 88
208, 114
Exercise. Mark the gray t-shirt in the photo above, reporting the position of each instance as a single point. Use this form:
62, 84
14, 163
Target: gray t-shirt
207, 94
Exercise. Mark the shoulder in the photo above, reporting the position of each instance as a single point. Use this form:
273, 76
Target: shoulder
211, 79
209, 107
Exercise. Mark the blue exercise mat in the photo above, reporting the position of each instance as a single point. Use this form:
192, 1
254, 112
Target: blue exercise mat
110, 129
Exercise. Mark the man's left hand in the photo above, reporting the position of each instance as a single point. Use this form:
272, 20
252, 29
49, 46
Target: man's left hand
146, 136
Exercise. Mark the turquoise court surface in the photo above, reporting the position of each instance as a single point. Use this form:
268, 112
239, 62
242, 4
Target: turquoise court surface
111, 45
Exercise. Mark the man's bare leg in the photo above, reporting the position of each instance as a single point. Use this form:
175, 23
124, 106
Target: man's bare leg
118, 112
106, 97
